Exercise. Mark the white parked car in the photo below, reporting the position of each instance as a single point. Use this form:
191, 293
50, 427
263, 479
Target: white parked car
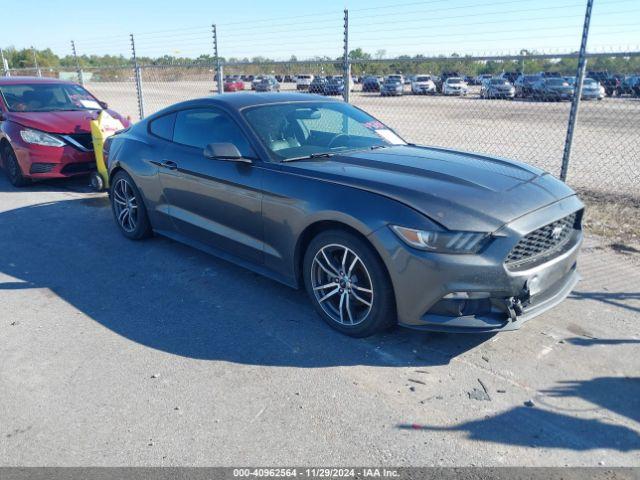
592, 90
423, 84
395, 77
455, 86
481, 78
303, 81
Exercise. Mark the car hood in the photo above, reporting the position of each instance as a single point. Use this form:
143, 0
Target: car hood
461, 191
60, 122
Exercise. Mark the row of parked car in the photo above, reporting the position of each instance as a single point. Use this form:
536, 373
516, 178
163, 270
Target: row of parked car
259, 83
543, 86
546, 86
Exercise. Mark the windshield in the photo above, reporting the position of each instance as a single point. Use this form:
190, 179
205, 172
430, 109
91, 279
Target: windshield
423, 79
590, 82
556, 82
301, 129
47, 97
454, 80
498, 81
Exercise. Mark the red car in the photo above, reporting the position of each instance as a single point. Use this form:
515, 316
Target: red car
233, 84
45, 130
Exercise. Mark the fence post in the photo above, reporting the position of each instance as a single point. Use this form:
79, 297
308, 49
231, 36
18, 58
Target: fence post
35, 61
575, 103
346, 67
138, 78
5, 64
78, 69
217, 58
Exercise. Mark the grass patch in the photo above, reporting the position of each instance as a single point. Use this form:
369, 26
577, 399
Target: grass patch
614, 217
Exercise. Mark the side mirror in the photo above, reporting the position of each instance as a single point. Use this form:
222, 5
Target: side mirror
104, 105
224, 151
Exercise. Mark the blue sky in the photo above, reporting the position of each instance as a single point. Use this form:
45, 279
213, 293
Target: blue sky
280, 28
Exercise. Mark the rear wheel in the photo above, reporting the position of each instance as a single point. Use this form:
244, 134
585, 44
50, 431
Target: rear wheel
12, 167
128, 207
348, 284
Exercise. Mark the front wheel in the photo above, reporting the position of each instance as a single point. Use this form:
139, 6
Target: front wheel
12, 167
348, 284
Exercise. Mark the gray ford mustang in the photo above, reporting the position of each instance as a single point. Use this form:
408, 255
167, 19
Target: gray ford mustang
314, 192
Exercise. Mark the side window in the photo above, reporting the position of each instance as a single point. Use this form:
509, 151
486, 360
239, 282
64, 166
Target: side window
163, 127
200, 127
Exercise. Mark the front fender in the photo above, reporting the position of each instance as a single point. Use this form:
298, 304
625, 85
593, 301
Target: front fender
287, 218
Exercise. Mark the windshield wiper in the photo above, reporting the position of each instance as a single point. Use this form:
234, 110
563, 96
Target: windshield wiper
310, 157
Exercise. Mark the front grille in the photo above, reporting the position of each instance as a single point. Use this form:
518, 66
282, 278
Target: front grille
544, 243
84, 167
84, 139
41, 167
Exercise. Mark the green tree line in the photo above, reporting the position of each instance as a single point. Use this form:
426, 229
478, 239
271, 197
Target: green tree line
362, 63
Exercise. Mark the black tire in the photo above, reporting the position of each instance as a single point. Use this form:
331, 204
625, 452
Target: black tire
141, 225
381, 313
12, 167
96, 181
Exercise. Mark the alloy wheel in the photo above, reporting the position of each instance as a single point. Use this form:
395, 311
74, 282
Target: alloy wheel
341, 284
126, 205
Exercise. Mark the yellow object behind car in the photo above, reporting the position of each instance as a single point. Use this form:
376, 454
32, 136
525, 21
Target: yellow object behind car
102, 128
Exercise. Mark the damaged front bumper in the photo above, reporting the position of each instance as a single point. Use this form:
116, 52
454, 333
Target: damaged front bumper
481, 292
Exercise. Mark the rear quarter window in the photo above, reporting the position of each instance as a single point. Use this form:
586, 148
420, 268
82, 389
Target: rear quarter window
163, 126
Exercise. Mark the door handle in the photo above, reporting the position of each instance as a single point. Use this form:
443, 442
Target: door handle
169, 165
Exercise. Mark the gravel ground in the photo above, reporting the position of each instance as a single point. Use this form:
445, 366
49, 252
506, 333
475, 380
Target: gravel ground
151, 353
605, 155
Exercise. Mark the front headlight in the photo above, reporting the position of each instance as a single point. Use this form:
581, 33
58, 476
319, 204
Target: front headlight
443, 242
40, 138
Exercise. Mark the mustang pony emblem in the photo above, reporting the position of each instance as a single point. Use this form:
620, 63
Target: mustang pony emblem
557, 232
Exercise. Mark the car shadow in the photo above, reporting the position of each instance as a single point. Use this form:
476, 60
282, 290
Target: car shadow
80, 184
170, 297
532, 426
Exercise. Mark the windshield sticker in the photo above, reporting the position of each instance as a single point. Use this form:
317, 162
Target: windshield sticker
389, 136
373, 125
90, 104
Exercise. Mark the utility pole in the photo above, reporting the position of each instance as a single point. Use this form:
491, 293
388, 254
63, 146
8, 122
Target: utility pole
138, 78
346, 67
5, 64
78, 69
35, 61
573, 115
214, 31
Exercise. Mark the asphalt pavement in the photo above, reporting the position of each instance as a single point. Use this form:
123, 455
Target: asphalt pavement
116, 352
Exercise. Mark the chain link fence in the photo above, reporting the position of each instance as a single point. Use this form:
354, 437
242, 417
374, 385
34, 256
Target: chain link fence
531, 127
606, 148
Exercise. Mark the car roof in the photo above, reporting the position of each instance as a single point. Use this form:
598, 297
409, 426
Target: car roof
240, 100
31, 80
